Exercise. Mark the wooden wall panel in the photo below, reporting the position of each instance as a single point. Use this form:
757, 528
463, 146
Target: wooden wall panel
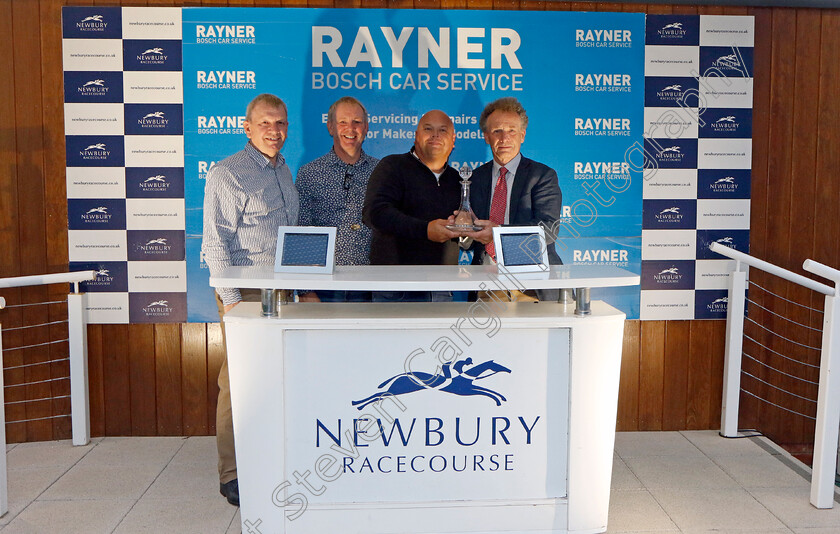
628, 388
168, 379
675, 374
652, 375
142, 379
115, 367
161, 379
194, 379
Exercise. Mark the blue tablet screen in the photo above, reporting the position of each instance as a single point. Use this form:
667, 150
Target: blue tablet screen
305, 249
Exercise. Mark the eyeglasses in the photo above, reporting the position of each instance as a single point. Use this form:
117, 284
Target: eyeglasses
348, 177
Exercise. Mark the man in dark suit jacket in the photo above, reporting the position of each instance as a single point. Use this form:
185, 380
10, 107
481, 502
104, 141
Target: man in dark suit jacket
532, 193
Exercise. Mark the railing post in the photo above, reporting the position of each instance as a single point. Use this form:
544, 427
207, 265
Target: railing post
4, 483
79, 403
734, 347
828, 409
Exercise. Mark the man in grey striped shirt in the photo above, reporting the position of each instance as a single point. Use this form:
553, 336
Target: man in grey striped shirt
247, 196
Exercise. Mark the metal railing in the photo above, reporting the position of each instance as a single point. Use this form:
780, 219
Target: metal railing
77, 357
828, 397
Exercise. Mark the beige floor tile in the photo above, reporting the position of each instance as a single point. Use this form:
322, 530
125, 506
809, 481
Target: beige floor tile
69, 517
198, 450
761, 471
235, 524
680, 472
714, 445
180, 480
24, 485
739, 531
623, 478
642, 444
636, 511
710, 509
134, 451
793, 507
815, 530
181, 516
102, 482
46, 454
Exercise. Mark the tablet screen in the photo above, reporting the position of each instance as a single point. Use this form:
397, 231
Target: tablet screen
521, 249
305, 249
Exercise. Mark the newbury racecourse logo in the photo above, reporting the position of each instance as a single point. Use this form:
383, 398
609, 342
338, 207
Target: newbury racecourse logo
154, 120
668, 276
102, 278
155, 246
93, 23
727, 124
718, 305
730, 62
727, 184
671, 154
97, 215
152, 56
670, 93
454, 379
154, 184
673, 30
93, 87
670, 215
96, 151
158, 308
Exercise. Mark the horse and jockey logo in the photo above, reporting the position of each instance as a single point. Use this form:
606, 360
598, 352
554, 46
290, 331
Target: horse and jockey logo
454, 378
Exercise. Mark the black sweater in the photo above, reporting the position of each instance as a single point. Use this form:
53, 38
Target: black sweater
402, 197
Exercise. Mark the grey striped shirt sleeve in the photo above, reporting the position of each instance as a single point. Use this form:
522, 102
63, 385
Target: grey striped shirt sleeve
223, 204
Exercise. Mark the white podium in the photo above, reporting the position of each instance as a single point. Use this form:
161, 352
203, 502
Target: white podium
424, 417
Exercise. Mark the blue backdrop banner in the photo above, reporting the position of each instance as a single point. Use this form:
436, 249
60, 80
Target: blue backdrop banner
580, 77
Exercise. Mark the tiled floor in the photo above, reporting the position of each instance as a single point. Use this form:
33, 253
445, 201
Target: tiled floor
692, 482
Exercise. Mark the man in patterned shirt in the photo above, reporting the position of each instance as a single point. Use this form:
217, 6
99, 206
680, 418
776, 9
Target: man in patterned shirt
332, 192
247, 196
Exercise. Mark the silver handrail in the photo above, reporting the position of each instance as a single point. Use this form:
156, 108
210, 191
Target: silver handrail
790, 276
46, 279
827, 428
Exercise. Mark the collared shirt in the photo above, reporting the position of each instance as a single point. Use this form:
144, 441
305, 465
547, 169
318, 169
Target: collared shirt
245, 200
332, 193
511, 166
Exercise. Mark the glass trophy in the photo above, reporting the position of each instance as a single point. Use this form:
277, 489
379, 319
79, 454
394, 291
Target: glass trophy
464, 217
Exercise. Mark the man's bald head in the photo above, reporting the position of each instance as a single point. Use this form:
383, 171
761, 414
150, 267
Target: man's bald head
434, 139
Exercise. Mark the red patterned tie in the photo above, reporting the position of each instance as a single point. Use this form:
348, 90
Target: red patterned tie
497, 207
